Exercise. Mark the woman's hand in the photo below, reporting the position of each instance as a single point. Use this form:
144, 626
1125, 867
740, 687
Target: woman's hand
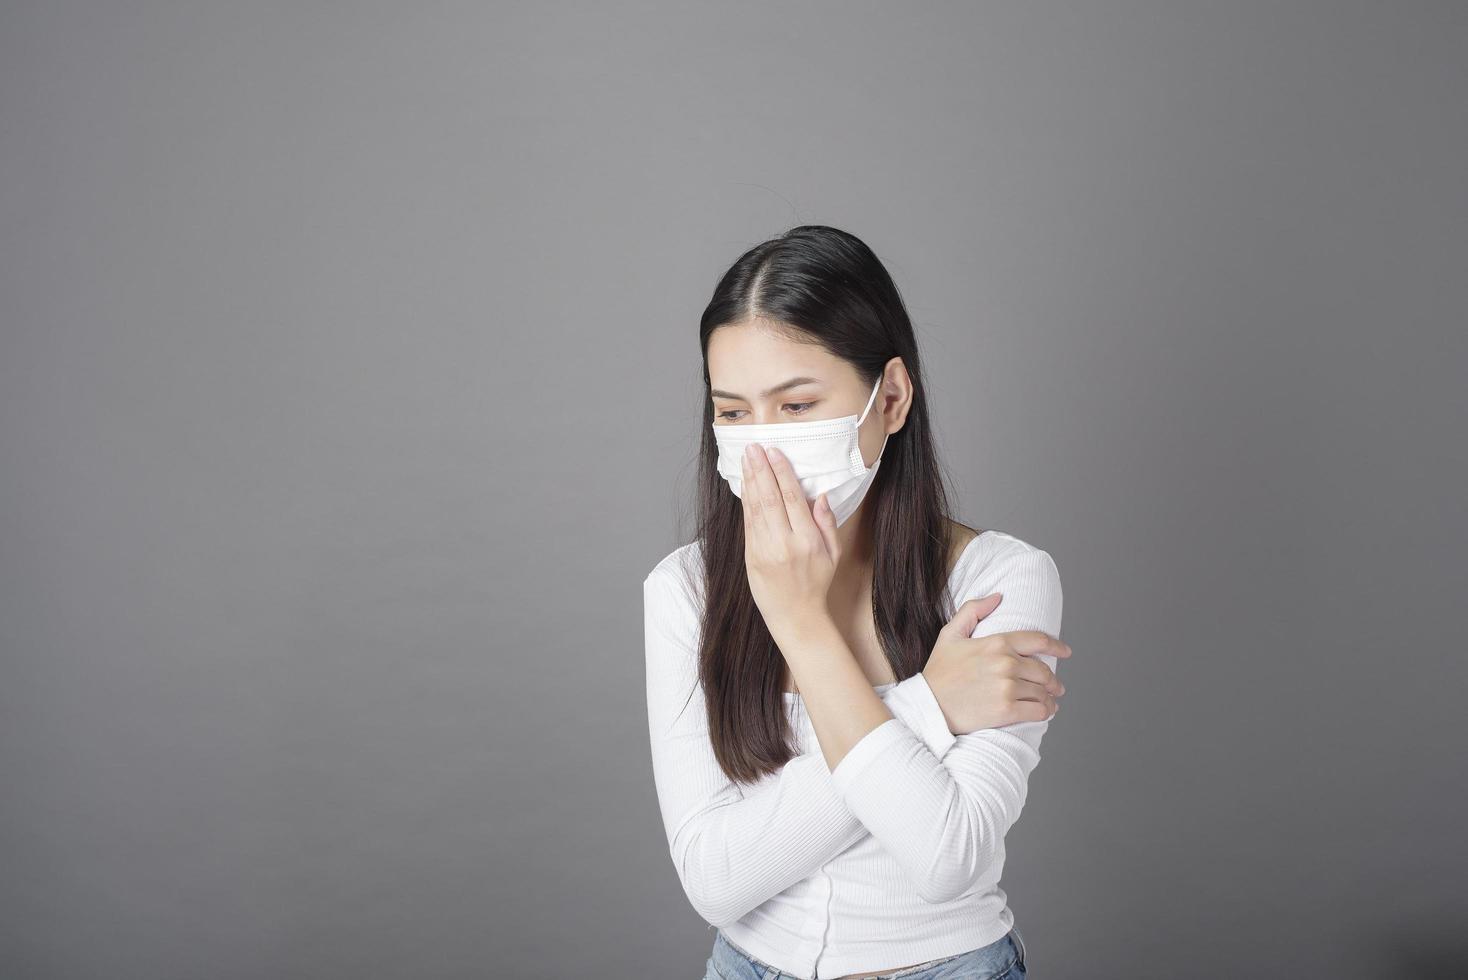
790, 547
992, 681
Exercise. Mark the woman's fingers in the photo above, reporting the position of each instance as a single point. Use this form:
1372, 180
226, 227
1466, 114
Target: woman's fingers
967, 617
753, 510
825, 519
797, 509
1031, 642
1037, 672
1026, 690
1033, 711
767, 490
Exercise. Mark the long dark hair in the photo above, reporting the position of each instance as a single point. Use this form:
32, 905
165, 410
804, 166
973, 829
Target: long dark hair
832, 290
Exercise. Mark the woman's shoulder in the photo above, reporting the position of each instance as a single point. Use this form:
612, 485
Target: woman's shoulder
960, 537
684, 557
999, 561
994, 541
681, 568
989, 553
976, 557
686, 561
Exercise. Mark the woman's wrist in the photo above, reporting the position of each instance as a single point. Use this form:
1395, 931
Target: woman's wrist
932, 678
802, 629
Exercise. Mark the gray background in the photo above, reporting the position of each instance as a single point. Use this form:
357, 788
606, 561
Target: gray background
349, 386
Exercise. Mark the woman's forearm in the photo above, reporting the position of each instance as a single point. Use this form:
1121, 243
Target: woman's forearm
841, 703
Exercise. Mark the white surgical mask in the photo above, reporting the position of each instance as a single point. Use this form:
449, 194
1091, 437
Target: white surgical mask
825, 454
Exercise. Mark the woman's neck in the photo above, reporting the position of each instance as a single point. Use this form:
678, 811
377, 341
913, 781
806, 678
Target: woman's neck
853, 575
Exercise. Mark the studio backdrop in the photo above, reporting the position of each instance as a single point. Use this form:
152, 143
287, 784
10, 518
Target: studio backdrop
350, 387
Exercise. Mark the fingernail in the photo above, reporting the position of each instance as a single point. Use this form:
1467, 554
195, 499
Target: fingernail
775, 452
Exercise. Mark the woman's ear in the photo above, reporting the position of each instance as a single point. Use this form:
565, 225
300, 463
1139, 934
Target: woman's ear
896, 376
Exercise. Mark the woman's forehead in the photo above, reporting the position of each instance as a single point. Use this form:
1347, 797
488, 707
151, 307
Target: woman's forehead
748, 362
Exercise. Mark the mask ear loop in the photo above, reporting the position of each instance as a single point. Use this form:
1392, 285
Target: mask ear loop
873, 397
875, 388
882, 450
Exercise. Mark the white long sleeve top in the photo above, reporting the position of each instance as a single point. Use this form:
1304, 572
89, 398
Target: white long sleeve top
894, 857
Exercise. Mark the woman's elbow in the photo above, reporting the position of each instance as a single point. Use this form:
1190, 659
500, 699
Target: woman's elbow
716, 909
708, 892
958, 864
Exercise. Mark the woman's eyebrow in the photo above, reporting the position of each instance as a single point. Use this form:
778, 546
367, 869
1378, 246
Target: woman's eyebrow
782, 386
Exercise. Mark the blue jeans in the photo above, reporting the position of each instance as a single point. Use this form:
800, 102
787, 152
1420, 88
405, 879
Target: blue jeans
1003, 959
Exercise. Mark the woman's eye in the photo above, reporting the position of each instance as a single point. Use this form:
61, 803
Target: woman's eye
795, 408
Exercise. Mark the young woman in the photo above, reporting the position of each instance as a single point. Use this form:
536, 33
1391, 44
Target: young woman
846, 687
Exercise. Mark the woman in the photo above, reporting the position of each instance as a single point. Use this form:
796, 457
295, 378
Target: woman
846, 688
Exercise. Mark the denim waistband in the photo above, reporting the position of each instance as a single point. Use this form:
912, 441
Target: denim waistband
730, 962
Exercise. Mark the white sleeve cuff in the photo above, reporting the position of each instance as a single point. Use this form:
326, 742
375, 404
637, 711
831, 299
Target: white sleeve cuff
913, 701
890, 734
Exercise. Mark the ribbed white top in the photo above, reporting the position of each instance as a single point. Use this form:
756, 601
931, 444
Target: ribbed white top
891, 859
